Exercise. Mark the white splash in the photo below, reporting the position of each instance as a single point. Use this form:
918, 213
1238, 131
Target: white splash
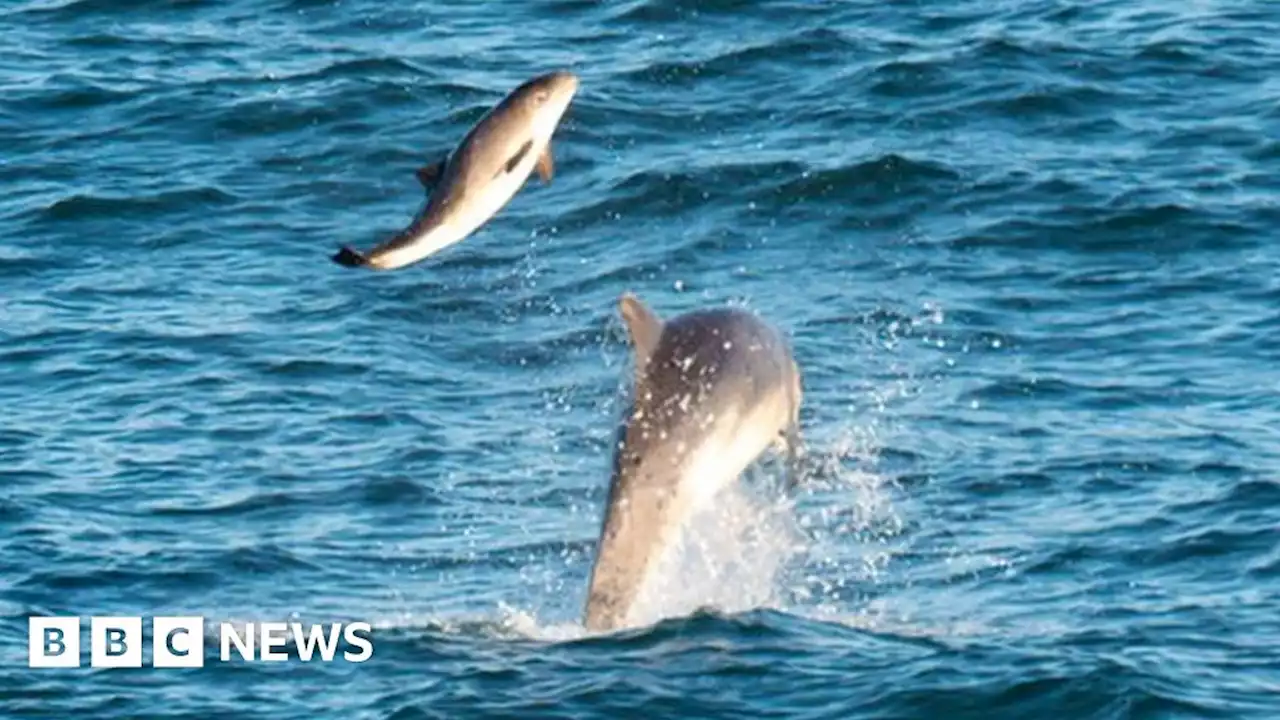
729, 556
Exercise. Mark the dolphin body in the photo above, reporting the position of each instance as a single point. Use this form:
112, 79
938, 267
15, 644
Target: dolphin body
713, 390
481, 175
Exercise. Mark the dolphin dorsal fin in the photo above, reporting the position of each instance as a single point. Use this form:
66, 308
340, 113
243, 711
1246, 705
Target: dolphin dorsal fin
643, 326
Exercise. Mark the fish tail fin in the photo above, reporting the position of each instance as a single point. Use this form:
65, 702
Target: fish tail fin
347, 257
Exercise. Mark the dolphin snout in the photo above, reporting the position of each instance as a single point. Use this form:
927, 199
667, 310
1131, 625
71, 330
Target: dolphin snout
563, 81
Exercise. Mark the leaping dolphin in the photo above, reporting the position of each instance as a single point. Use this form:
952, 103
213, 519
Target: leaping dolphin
713, 389
481, 175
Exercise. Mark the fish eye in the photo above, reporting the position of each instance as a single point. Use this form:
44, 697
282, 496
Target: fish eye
541, 96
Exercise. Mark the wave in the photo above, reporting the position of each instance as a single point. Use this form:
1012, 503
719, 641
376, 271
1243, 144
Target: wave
887, 175
74, 93
769, 185
1062, 101
73, 10
810, 46
911, 79
61, 581
751, 659
674, 10
1159, 228
1200, 543
395, 492
246, 506
100, 40
383, 69
80, 207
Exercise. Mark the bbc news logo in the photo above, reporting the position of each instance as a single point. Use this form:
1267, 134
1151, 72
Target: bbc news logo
178, 642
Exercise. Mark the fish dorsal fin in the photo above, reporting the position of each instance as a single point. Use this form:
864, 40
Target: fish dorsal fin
430, 174
644, 328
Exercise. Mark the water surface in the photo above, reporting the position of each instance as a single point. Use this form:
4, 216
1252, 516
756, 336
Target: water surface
1025, 251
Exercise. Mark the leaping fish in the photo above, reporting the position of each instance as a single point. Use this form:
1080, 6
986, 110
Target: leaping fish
713, 389
481, 175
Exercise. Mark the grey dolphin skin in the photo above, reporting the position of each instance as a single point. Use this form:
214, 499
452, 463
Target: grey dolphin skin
481, 175
713, 389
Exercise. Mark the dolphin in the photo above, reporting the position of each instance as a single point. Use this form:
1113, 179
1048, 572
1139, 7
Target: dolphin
481, 175
713, 389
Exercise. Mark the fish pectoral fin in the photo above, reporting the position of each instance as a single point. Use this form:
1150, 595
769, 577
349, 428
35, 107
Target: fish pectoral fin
429, 175
514, 162
791, 446
546, 166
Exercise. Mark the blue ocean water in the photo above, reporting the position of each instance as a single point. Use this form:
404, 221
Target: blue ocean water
1025, 250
